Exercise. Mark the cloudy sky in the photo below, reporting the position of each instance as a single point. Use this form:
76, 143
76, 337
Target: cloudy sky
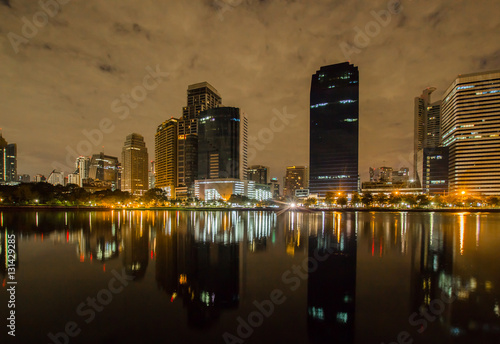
71, 71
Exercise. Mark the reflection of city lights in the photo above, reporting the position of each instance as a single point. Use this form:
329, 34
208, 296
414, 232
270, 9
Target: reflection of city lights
462, 229
183, 279
293, 205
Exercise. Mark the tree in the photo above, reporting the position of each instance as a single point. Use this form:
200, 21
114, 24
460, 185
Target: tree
367, 199
423, 200
381, 199
355, 200
342, 201
155, 196
311, 201
394, 199
493, 201
330, 198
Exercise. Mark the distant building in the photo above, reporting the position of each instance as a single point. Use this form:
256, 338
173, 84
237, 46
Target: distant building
56, 178
275, 187
152, 176
334, 129
8, 161
296, 177
105, 170
166, 170
83, 169
222, 144
74, 178
222, 189
263, 192
470, 115
200, 97
427, 119
24, 178
40, 178
135, 165
401, 176
258, 174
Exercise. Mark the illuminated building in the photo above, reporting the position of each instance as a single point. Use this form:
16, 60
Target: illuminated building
8, 161
200, 97
104, 169
258, 174
334, 129
83, 169
135, 165
223, 188
56, 178
165, 164
222, 144
296, 178
471, 129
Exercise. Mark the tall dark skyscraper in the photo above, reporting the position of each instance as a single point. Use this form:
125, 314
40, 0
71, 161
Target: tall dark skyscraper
334, 129
200, 97
8, 161
135, 165
222, 144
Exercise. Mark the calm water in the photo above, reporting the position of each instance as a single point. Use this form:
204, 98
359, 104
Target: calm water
253, 277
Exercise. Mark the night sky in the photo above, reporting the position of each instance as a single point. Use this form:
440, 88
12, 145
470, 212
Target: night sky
260, 55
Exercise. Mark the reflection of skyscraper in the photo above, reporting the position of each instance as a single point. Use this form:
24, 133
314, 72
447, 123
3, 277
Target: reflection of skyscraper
334, 129
331, 287
204, 274
135, 247
4, 253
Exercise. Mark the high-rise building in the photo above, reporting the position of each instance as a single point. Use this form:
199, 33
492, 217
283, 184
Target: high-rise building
135, 165
40, 178
152, 175
427, 120
470, 127
334, 129
258, 174
200, 97
222, 144
24, 178
275, 187
296, 178
8, 161
103, 168
435, 171
56, 178
74, 178
83, 168
166, 139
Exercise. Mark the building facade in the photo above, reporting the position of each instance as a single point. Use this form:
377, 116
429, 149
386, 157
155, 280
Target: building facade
104, 169
222, 144
165, 165
334, 129
135, 165
222, 189
258, 174
8, 161
470, 115
296, 178
200, 97
427, 127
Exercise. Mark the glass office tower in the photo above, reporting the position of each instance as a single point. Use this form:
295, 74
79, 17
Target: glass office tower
334, 130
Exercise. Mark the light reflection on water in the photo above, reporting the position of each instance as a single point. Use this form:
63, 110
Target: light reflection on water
382, 275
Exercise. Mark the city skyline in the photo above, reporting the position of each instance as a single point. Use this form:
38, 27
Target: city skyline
396, 63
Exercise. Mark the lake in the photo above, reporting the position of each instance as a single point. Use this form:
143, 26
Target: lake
250, 277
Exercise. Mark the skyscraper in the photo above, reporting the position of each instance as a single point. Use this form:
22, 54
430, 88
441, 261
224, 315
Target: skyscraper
166, 156
471, 129
427, 139
296, 178
222, 144
8, 161
334, 129
135, 165
258, 174
83, 169
103, 168
200, 97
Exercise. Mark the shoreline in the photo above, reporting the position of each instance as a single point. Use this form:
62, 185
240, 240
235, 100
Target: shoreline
302, 210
